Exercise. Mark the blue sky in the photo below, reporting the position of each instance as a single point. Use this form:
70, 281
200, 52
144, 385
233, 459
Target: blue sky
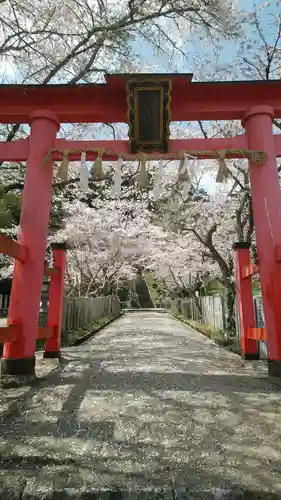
204, 49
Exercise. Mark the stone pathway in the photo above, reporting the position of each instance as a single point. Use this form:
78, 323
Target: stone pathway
146, 409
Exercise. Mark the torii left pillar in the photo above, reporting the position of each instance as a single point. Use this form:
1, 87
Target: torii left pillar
19, 357
53, 344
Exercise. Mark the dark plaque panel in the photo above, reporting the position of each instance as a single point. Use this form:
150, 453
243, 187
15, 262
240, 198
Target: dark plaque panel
149, 115
149, 102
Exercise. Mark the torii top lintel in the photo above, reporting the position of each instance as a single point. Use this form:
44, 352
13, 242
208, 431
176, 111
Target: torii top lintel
106, 102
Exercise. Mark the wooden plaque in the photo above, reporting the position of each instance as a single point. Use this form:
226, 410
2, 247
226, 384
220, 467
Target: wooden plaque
149, 114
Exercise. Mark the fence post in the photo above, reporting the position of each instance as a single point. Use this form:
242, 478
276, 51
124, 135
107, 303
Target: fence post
249, 347
224, 312
53, 344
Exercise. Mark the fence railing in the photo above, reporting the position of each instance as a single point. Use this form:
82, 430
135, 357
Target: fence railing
208, 310
212, 311
4, 301
81, 311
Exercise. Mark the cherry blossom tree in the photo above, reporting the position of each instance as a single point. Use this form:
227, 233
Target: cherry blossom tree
205, 226
77, 40
105, 242
110, 239
179, 238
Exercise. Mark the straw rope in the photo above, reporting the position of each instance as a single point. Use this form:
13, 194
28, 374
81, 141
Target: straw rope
258, 157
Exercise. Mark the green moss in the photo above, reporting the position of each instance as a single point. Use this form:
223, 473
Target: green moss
155, 287
217, 336
71, 336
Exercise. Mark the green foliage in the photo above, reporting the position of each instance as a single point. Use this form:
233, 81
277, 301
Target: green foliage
123, 293
256, 287
156, 288
73, 335
10, 208
213, 287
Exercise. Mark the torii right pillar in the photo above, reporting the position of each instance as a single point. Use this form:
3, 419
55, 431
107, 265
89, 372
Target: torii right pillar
266, 200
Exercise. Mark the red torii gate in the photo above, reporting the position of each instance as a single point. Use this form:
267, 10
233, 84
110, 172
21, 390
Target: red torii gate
46, 107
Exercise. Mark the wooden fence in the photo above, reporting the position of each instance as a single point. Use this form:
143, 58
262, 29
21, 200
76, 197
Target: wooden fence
208, 310
4, 301
81, 311
214, 313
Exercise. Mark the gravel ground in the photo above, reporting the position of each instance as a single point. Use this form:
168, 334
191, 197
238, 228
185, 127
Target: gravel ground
146, 409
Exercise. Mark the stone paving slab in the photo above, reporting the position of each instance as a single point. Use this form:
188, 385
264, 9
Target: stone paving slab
10, 399
146, 409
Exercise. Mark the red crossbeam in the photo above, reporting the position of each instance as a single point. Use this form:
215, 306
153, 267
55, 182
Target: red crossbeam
175, 145
12, 248
9, 333
51, 271
12, 333
257, 334
106, 102
250, 270
14, 151
45, 332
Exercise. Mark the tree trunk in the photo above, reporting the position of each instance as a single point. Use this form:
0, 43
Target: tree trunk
198, 305
230, 301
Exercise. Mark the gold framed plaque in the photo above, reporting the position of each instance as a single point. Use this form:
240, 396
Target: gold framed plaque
149, 114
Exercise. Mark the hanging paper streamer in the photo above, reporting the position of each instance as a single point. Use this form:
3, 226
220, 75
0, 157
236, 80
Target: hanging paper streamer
193, 167
182, 159
183, 175
161, 169
116, 243
158, 180
143, 177
97, 173
223, 172
84, 174
117, 179
186, 190
63, 169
